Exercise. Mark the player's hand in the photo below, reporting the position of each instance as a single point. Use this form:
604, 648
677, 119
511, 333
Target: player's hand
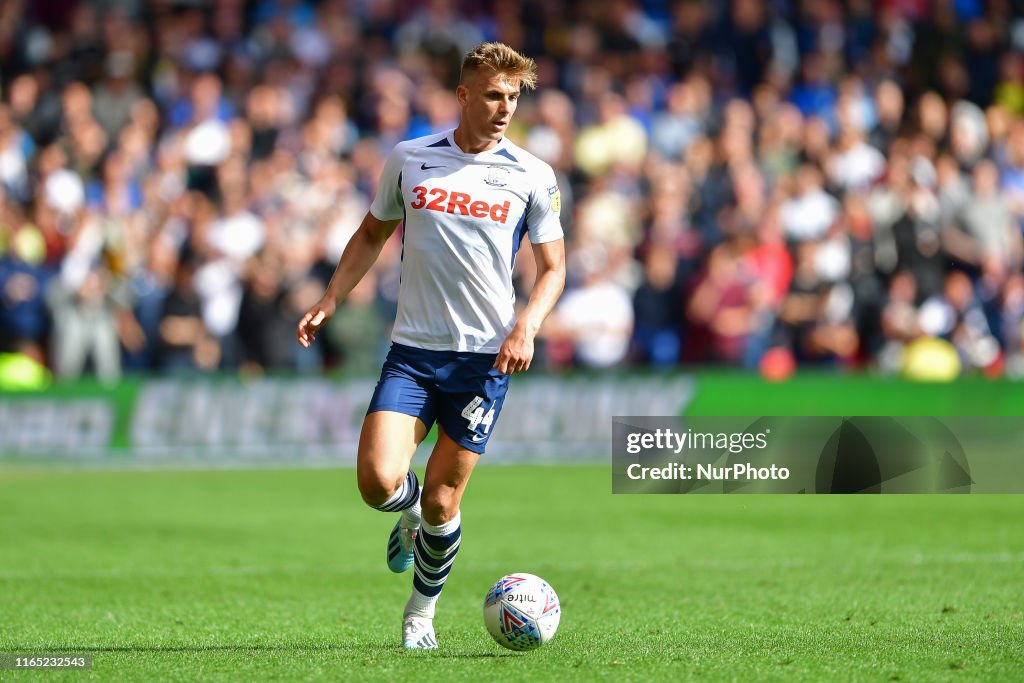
516, 352
314, 319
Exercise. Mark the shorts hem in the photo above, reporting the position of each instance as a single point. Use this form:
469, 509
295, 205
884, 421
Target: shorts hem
400, 411
466, 442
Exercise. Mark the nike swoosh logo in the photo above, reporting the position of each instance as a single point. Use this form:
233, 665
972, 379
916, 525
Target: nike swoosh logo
424, 167
477, 438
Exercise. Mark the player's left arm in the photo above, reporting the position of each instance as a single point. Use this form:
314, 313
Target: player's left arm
516, 352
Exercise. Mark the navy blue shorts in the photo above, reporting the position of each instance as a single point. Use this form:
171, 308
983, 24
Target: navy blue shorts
462, 391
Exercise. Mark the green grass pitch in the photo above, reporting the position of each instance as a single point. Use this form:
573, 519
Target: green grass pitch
279, 575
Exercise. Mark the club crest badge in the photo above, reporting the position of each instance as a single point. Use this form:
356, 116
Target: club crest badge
497, 176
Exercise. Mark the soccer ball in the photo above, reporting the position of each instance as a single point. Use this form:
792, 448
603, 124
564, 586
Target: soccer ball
521, 612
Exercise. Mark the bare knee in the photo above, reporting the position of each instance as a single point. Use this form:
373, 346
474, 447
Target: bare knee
376, 486
439, 505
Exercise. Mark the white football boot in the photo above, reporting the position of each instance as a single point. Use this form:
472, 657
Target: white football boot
418, 633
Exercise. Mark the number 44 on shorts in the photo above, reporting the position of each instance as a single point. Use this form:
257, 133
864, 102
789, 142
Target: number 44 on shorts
475, 414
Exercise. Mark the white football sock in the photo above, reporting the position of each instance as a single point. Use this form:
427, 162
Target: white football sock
421, 605
411, 516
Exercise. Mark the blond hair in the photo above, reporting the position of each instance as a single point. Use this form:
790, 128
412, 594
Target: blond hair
502, 59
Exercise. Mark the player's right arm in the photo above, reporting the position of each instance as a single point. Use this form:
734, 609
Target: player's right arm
362, 250
359, 256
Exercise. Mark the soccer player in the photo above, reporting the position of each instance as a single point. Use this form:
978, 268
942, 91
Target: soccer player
467, 198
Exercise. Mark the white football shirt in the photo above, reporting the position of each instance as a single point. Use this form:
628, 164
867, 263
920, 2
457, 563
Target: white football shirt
465, 217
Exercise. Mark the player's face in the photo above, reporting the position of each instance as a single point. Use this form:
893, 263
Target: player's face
488, 101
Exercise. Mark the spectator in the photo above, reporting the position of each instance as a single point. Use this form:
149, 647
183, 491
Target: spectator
597, 317
358, 328
23, 282
855, 165
265, 331
988, 238
810, 211
16, 150
797, 180
185, 345
1011, 325
150, 284
658, 309
88, 326
115, 97
615, 140
899, 320
722, 307
956, 316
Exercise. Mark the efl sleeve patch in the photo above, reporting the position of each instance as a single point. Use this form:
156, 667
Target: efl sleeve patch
555, 198
542, 216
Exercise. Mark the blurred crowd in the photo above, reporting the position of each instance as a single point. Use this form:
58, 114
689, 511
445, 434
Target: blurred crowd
757, 183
